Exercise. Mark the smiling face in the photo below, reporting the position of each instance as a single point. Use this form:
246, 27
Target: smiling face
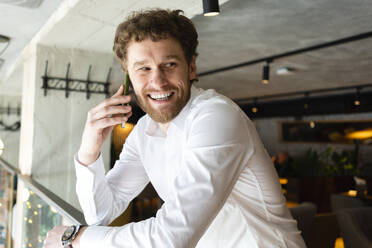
160, 77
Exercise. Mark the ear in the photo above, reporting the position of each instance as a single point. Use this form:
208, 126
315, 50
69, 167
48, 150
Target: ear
123, 67
192, 68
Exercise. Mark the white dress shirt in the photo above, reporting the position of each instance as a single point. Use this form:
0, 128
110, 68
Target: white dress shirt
219, 186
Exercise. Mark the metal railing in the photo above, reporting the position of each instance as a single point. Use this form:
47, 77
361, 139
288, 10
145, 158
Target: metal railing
65, 209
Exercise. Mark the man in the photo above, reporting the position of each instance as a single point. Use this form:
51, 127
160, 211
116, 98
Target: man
198, 149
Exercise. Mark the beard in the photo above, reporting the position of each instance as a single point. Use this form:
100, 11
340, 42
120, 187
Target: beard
166, 113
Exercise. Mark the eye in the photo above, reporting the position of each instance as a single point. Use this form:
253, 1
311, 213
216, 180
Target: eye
170, 65
144, 68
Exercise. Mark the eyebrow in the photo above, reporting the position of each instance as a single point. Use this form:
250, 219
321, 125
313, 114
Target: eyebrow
173, 57
142, 62
138, 63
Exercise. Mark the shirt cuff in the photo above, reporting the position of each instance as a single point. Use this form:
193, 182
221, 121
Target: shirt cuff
94, 236
91, 174
97, 167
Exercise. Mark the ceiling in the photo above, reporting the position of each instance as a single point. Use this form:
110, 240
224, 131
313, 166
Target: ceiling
244, 31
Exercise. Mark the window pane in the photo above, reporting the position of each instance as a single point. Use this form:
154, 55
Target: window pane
38, 219
6, 207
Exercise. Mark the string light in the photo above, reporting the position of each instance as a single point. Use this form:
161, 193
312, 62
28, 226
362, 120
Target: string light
53, 209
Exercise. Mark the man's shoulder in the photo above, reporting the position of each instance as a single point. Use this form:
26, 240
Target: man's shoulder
211, 101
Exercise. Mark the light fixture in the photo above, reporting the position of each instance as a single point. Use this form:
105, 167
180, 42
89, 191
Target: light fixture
266, 73
360, 134
357, 136
306, 105
211, 7
312, 124
285, 71
1, 147
255, 108
357, 97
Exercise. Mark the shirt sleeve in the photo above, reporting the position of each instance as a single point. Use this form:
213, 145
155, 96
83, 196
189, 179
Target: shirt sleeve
104, 197
218, 147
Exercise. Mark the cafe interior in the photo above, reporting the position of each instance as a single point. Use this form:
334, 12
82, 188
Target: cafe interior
300, 70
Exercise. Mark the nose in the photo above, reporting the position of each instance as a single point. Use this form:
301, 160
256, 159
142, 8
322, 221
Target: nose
158, 78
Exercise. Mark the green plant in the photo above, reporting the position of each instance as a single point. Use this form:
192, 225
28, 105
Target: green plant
324, 163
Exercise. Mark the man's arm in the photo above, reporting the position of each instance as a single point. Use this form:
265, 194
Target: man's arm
104, 197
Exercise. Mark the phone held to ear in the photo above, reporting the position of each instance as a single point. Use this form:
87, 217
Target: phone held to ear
126, 92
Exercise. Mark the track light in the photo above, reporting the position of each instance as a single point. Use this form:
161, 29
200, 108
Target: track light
357, 97
266, 73
306, 105
211, 7
254, 108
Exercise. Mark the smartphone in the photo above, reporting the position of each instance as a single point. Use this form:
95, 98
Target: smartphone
126, 92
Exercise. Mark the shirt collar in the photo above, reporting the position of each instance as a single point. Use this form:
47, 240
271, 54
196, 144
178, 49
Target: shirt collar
153, 129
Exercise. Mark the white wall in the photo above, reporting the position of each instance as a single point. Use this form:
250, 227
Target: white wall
52, 125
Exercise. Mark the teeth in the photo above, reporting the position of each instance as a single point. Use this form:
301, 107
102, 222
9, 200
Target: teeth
160, 96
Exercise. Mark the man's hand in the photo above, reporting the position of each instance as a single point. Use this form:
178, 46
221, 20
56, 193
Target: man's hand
54, 237
100, 122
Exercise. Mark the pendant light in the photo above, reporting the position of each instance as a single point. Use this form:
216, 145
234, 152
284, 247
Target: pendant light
211, 7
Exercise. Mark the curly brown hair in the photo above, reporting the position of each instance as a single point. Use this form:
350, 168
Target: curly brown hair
156, 24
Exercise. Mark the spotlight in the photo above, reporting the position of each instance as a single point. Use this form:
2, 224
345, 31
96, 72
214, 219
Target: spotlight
306, 105
211, 7
266, 73
357, 98
312, 124
255, 108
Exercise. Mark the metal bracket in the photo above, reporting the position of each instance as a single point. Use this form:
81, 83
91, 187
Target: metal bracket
10, 111
68, 84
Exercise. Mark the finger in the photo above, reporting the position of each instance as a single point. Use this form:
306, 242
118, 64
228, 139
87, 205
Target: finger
119, 92
111, 102
110, 121
111, 110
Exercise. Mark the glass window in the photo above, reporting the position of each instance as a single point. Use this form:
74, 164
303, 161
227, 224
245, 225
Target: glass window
38, 219
6, 206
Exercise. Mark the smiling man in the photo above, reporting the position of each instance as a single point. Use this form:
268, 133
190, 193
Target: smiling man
197, 148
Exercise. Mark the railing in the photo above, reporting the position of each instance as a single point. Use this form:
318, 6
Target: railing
42, 210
